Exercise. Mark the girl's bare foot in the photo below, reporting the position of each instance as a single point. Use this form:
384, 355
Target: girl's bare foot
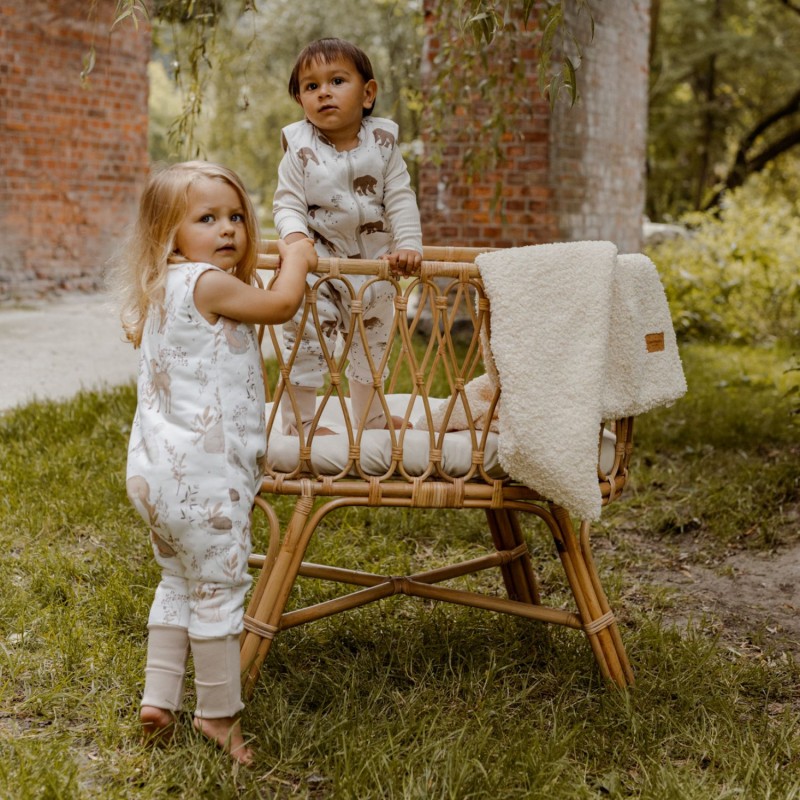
158, 724
226, 733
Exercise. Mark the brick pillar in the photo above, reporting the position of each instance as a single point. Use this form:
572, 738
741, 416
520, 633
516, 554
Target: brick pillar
576, 173
74, 157
457, 209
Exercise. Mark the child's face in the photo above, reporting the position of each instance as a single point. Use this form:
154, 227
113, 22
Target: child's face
213, 230
333, 96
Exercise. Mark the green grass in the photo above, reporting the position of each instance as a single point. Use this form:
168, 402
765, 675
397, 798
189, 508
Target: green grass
724, 459
404, 699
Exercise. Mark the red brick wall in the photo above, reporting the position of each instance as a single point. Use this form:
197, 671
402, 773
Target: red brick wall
73, 158
457, 209
577, 173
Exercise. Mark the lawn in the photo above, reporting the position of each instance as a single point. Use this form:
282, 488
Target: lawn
407, 699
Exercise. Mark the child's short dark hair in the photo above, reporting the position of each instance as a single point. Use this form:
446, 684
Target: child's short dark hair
325, 51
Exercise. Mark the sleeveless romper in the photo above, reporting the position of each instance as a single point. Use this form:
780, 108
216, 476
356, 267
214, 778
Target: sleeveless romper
195, 457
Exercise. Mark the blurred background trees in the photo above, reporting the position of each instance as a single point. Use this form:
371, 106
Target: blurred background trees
724, 100
724, 123
222, 69
724, 161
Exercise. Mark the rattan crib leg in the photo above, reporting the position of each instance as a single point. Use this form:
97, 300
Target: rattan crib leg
498, 526
270, 595
595, 620
518, 575
622, 654
273, 547
525, 563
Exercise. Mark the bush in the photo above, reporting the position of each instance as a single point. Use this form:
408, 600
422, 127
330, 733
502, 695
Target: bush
735, 278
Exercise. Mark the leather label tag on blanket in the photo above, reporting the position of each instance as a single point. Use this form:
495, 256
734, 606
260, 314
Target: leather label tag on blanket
654, 342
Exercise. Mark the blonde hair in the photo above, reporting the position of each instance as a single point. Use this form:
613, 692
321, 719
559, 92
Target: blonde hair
141, 274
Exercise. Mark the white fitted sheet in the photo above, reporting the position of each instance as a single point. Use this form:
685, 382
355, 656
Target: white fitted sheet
330, 455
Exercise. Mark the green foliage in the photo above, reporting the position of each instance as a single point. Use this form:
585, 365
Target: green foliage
719, 71
714, 120
735, 276
231, 64
488, 20
164, 108
559, 40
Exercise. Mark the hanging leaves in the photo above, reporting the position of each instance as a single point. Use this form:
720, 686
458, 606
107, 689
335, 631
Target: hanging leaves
128, 9
479, 69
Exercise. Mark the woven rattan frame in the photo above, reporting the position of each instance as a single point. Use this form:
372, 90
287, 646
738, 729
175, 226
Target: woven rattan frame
449, 287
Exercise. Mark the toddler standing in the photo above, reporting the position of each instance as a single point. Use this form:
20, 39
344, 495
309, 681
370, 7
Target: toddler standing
343, 181
197, 445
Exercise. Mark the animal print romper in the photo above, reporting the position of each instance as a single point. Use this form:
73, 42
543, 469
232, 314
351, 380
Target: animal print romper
195, 457
355, 204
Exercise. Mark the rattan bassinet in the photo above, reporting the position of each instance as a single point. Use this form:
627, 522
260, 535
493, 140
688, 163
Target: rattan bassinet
442, 317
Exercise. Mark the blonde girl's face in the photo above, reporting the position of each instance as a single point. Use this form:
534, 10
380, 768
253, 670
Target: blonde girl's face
213, 230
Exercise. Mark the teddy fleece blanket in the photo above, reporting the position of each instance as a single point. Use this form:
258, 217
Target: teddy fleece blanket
579, 335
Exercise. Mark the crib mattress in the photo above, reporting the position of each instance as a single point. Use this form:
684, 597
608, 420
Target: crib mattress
330, 455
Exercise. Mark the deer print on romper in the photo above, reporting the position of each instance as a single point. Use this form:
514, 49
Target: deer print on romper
139, 493
236, 338
195, 455
160, 385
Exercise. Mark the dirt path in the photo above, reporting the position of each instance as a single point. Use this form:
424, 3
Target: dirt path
749, 597
51, 350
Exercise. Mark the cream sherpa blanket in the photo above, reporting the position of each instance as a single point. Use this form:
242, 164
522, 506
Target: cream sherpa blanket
579, 335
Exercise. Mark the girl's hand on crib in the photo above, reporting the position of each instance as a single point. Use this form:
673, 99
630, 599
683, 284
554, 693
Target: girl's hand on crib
403, 262
297, 249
